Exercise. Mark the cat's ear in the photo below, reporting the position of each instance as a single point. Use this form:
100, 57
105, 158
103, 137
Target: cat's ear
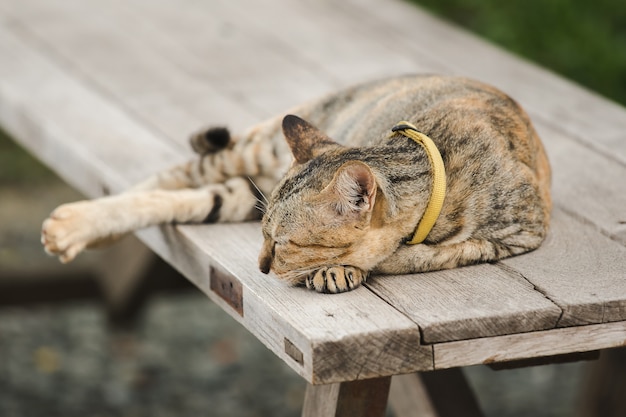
305, 140
353, 188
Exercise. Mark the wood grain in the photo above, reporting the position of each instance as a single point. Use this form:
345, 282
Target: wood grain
354, 335
523, 346
90, 141
586, 184
580, 270
465, 303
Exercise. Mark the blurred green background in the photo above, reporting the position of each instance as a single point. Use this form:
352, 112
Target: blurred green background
583, 40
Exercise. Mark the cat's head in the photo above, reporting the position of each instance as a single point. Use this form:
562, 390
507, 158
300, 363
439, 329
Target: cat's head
323, 210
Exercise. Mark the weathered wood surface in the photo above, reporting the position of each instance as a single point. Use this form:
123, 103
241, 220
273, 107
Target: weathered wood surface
449, 305
105, 92
522, 346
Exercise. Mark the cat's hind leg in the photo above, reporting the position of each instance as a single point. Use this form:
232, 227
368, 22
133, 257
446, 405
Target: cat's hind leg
76, 226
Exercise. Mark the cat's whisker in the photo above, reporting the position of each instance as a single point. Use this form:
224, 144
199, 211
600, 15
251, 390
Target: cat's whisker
260, 207
298, 275
265, 200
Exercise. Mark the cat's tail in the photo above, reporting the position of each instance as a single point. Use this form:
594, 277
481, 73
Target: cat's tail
210, 140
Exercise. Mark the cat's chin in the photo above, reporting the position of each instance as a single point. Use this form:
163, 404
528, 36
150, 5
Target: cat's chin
295, 277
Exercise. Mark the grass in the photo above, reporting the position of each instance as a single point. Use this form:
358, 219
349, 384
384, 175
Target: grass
582, 40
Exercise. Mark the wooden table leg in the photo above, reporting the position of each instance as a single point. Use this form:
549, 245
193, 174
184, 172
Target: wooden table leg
442, 393
408, 397
122, 268
603, 392
127, 273
366, 398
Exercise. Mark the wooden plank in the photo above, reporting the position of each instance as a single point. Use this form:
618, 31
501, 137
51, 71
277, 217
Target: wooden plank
328, 38
166, 75
465, 303
366, 398
546, 360
580, 270
522, 346
99, 44
72, 128
263, 71
330, 339
587, 184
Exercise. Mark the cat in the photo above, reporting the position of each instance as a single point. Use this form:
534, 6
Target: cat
342, 208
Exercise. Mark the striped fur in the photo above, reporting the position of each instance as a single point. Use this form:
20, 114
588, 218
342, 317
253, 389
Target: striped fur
343, 195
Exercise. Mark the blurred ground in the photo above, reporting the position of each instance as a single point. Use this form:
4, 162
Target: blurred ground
183, 356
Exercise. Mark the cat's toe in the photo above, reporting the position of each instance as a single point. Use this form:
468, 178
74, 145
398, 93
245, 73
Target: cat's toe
317, 281
65, 233
335, 279
354, 277
52, 234
71, 252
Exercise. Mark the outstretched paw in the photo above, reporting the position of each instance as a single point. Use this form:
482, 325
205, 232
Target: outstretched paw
335, 279
70, 229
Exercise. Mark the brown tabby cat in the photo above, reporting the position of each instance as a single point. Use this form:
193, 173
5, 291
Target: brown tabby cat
340, 210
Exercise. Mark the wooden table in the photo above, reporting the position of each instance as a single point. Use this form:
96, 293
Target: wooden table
106, 91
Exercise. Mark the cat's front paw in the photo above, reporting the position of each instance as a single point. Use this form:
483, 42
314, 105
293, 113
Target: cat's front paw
70, 229
335, 279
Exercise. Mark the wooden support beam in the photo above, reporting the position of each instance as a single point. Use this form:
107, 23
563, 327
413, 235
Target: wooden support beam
364, 398
408, 397
450, 393
444, 393
602, 392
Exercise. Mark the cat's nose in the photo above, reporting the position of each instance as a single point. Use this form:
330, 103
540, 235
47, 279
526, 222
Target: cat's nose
265, 264
266, 257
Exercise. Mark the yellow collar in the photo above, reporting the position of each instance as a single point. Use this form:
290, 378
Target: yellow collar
435, 203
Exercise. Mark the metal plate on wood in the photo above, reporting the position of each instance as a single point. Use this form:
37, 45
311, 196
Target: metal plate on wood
228, 288
293, 352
